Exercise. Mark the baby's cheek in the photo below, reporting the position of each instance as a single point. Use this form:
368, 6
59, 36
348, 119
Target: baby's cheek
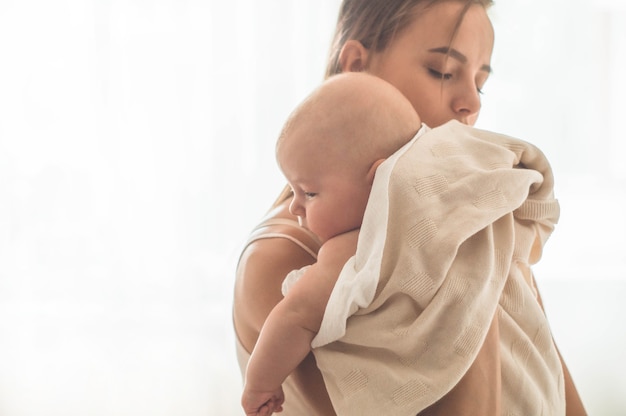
319, 228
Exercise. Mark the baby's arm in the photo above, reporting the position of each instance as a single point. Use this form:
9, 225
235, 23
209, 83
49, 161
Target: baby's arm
286, 337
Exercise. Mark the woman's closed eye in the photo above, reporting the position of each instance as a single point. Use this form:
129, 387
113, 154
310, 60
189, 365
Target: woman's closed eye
447, 76
309, 195
439, 75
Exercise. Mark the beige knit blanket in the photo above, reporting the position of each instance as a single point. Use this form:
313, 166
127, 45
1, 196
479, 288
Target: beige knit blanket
455, 220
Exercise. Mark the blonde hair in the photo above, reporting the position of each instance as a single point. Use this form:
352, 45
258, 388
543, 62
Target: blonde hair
374, 23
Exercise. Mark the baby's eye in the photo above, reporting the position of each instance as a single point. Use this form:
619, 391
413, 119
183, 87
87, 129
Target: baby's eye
309, 195
439, 75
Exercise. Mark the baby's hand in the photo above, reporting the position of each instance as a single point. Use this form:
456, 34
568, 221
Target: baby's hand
262, 403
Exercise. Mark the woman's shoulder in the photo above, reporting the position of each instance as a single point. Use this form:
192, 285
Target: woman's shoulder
280, 224
275, 247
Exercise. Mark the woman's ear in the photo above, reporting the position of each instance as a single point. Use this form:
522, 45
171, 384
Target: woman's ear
372, 170
353, 56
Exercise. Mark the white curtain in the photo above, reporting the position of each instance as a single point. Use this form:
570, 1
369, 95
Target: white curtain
136, 153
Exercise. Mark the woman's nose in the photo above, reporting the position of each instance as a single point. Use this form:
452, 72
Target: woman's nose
466, 103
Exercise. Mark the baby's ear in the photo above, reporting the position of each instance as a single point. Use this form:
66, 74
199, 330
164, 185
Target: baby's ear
372, 170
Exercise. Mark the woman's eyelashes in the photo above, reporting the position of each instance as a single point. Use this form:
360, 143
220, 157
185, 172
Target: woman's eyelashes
480, 85
446, 76
309, 195
439, 75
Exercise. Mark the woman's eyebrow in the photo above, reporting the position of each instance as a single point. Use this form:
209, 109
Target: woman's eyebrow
458, 56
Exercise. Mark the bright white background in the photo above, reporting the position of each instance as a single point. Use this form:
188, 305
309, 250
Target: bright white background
136, 152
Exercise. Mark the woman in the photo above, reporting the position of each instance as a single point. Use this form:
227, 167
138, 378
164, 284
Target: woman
437, 53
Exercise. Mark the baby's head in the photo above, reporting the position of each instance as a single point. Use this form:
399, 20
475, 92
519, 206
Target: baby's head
351, 119
332, 143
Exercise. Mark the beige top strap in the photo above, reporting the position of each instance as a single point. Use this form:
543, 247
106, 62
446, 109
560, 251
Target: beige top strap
288, 229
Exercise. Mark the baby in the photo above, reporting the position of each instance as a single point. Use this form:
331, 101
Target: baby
329, 151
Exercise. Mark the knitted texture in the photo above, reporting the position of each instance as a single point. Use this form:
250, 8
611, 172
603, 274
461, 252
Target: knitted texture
463, 215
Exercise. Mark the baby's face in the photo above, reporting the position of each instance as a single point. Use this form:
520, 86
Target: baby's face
329, 198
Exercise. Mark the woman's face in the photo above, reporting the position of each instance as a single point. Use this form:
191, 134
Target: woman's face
441, 80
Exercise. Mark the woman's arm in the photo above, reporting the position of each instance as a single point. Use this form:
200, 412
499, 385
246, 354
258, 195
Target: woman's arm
573, 403
479, 391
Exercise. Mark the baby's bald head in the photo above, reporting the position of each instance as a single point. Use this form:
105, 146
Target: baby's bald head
352, 119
